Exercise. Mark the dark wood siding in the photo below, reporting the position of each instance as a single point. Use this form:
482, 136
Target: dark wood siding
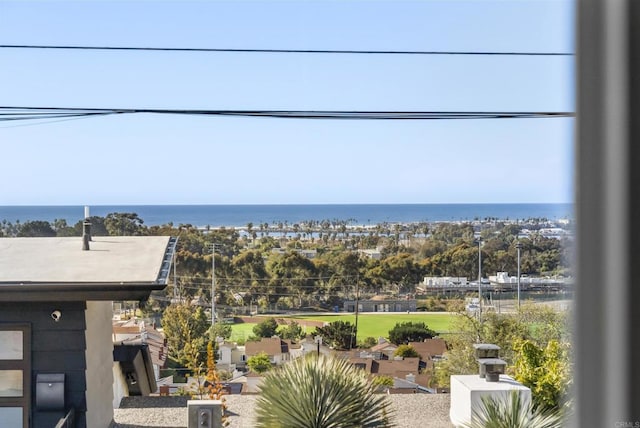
56, 347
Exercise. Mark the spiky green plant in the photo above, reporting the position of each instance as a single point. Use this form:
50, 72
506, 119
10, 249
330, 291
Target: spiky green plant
510, 411
320, 392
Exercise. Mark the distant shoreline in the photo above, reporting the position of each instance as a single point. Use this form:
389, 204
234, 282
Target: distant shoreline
358, 215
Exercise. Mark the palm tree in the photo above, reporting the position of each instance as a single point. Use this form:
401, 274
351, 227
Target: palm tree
320, 392
510, 411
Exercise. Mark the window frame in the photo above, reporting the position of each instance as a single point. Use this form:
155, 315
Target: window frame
607, 201
23, 365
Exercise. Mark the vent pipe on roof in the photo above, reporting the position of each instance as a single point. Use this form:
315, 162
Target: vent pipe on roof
86, 230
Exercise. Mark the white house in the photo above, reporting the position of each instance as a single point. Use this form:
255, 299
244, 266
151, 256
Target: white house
276, 348
231, 355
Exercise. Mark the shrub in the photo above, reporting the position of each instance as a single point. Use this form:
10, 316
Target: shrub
511, 412
259, 363
266, 328
406, 351
320, 392
291, 331
367, 342
338, 334
383, 381
406, 332
546, 371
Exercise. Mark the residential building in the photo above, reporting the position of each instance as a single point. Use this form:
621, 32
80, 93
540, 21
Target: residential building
56, 346
276, 348
445, 281
383, 350
137, 343
371, 254
430, 348
308, 253
381, 304
405, 373
231, 356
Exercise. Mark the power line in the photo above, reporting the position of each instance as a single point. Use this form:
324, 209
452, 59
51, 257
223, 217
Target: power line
13, 113
74, 117
286, 51
204, 281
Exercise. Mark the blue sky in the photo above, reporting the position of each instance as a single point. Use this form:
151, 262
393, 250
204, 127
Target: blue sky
150, 159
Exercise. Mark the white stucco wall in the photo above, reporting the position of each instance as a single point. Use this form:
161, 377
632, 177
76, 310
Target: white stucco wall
238, 355
99, 372
120, 389
225, 355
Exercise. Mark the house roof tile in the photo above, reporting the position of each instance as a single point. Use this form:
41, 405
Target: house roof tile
430, 347
271, 346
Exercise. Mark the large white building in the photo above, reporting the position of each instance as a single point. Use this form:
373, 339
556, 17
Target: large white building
445, 281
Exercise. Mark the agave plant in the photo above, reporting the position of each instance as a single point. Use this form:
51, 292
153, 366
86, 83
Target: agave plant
510, 411
320, 392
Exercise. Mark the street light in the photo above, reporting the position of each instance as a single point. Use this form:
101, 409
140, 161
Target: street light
518, 247
318, 340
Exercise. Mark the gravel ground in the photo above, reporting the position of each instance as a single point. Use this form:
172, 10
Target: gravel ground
411, 411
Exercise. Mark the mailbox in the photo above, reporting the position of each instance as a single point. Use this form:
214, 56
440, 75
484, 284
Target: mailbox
486, 350
50, 391
492, 368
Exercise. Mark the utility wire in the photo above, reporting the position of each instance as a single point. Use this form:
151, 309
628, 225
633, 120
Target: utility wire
73, 117
203, 281
283, 51
13, 113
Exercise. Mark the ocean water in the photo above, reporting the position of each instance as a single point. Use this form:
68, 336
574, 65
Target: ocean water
241, 215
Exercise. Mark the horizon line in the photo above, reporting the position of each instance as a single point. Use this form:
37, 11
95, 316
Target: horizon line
282, 204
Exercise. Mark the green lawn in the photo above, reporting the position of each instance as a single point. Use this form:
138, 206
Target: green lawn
369, 325
241, 331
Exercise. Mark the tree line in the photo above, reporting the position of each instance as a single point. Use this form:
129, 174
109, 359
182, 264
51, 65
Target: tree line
249, 272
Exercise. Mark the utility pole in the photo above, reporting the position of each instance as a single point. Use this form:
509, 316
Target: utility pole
177, 294
213, 286
357, 303
518, 246
175, 284
318, 340
480, 279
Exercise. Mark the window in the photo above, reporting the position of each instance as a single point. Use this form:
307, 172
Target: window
15, 374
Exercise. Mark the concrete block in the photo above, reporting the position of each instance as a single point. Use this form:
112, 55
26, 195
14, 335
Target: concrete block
467, 392
204, 413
